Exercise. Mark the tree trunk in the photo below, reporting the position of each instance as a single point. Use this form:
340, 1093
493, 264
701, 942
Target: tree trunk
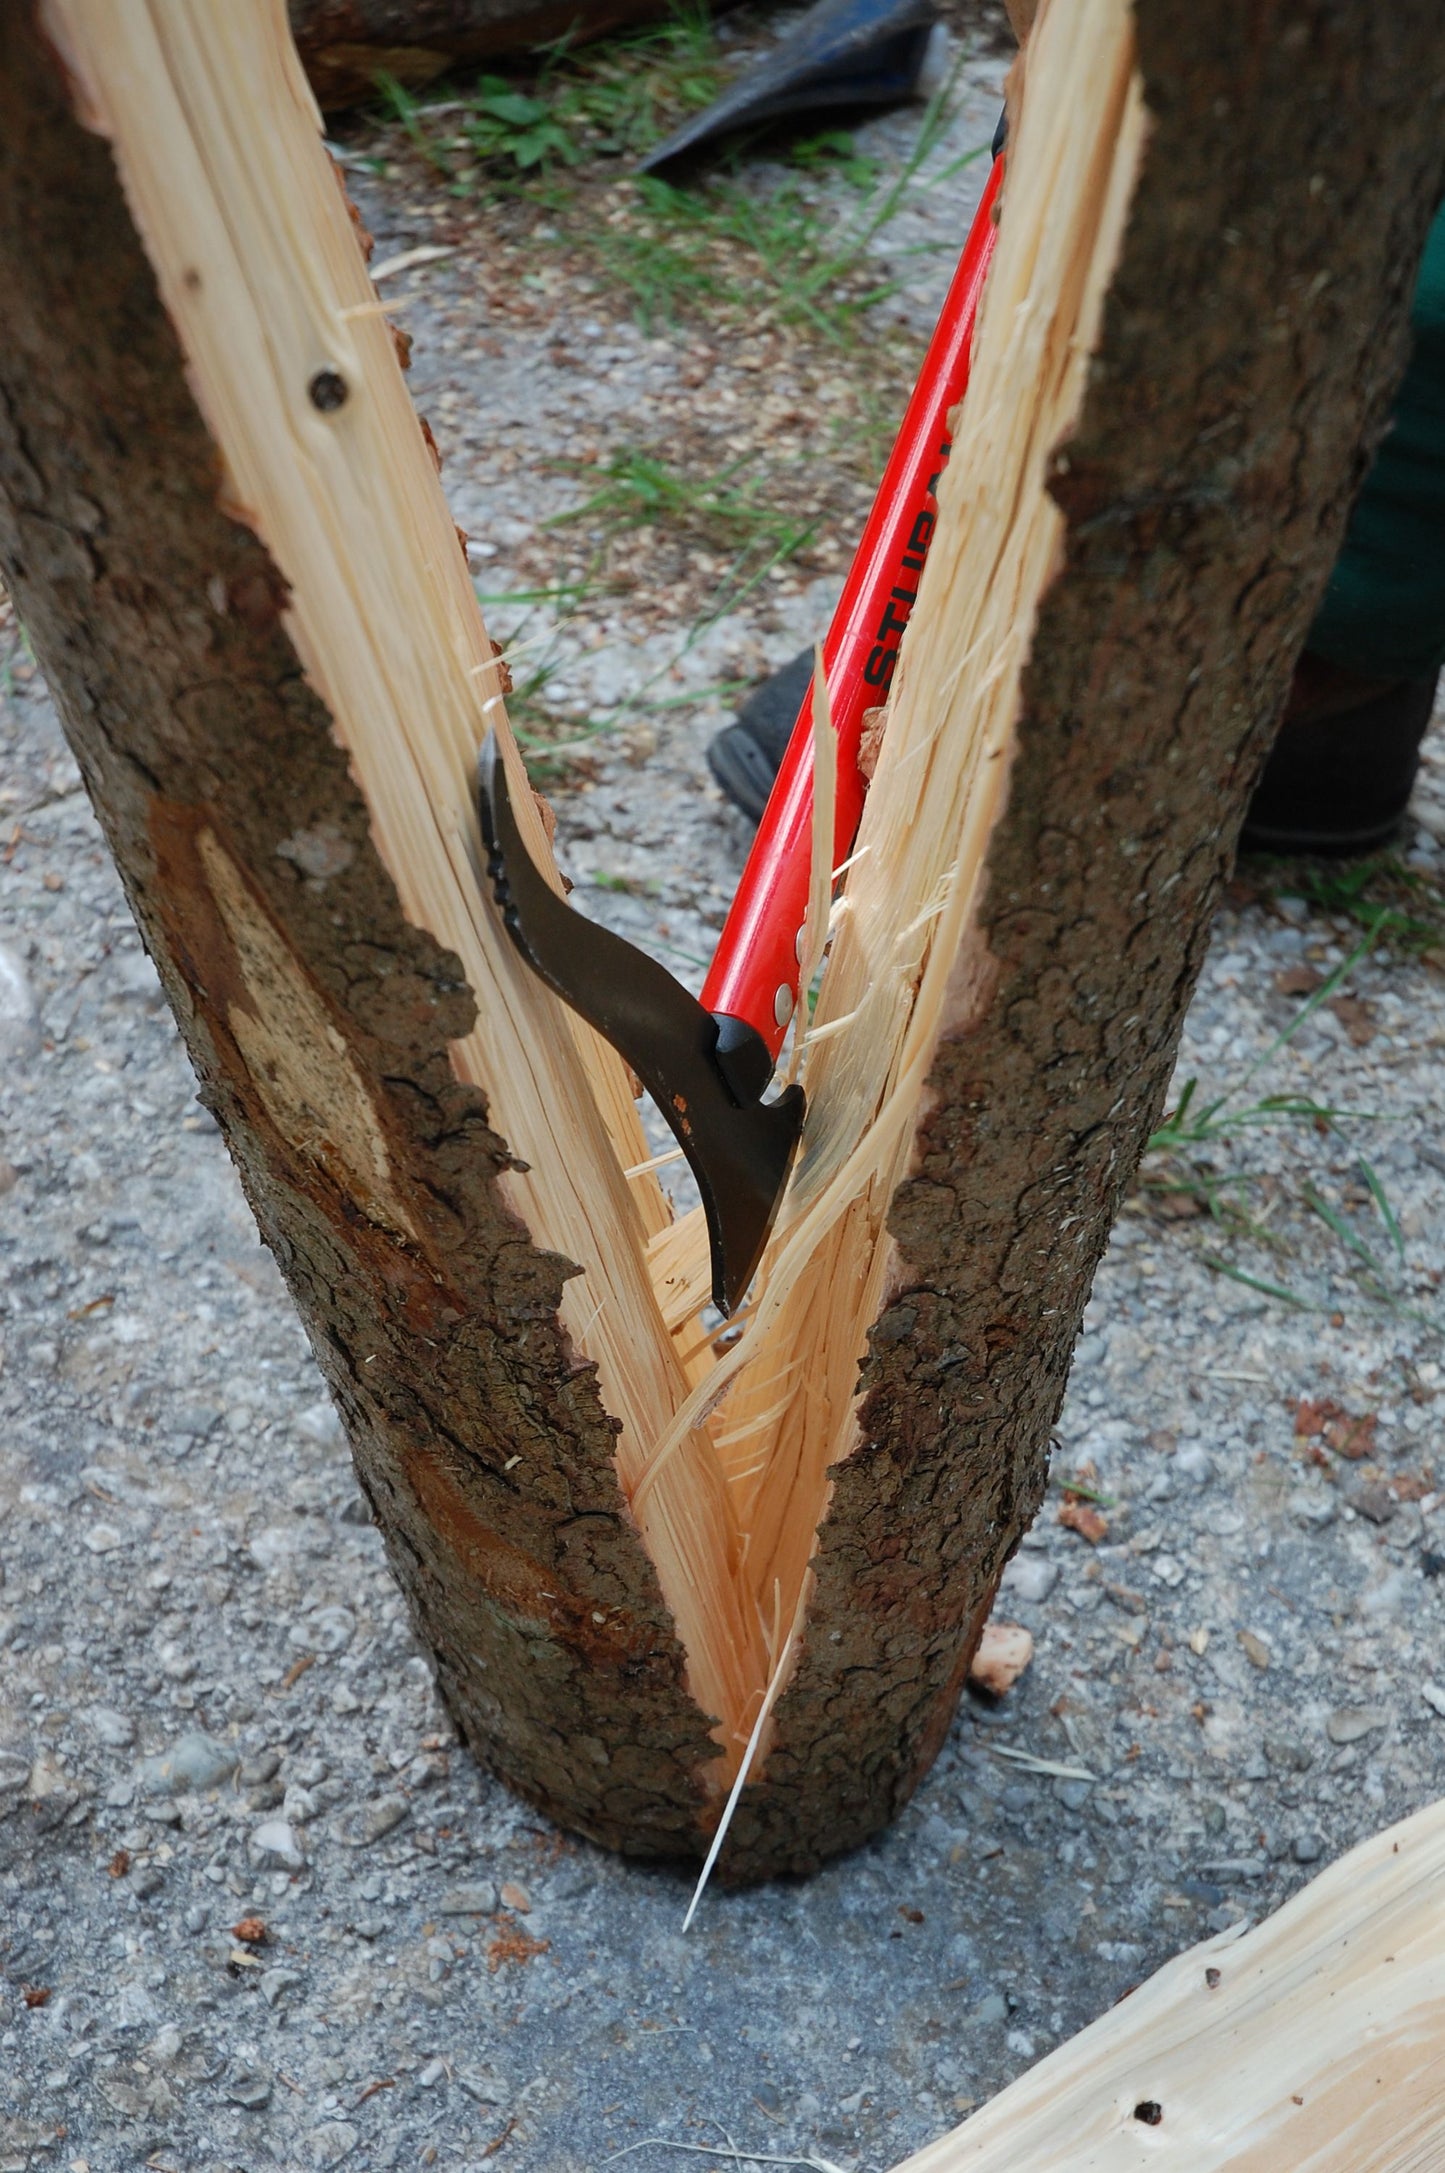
549, 1552
346, 44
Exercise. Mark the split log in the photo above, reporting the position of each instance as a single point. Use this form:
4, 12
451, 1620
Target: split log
224, 532
1314, 2043
346, 44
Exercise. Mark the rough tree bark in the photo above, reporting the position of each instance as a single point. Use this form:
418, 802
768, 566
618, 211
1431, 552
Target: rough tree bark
346, 44
1252, 337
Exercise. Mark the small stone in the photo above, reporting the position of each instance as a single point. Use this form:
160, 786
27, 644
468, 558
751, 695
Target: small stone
993, 2008
14, 1772
166, 2046
1307, 1848
177, 1664
1255, 1650
274, 1546
330, 1629
102, 1538
276, 1983
123, 2098
252, 2089
19, 1018
274, 1846
1073, 1794
113, 1729
484, 2088
1375, 1501
516, 1897
145, 1882
194, 1761
378, 1818
194, 1420
333, 2141
319, 1423
1434, 1697
1349, 1723
432, 2074
1030, 1577
1004, 1651
1313, 1511
478, 1900
47, 1778
1287, 1754
263, 1768
1077, 1515
1195, 1462
1166, 1569
1389, 1599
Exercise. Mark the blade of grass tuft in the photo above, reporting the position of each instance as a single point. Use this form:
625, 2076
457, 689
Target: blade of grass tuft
1257, 1282
1387, 1213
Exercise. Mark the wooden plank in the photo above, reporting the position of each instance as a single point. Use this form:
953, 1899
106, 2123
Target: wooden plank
1314, 2043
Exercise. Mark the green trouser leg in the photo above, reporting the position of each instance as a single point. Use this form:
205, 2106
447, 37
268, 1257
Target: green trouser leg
1383, 614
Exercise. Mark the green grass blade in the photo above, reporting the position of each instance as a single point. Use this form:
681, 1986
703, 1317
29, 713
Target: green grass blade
1387, 1213
1257, 1282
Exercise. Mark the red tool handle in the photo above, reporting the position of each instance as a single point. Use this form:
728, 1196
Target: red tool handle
754, 973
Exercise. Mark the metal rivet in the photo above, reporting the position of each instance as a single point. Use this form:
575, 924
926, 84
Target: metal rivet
800, 940
328, 390
783, 1005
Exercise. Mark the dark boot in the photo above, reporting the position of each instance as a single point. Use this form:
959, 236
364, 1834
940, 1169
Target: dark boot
1339, 777
745, 757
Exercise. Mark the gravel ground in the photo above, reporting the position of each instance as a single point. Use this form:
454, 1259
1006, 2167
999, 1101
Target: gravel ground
257, 1906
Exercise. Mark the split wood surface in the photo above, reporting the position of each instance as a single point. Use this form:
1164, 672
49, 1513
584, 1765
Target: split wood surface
1314, 2043
617, 1536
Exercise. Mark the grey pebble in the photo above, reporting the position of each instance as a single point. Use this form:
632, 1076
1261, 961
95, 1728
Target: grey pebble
113, 1729
478, 1900
1349, 1723
275, 1843
276, 1983
1307, 1848
1314, 1511
330, 1629
484, 2088
19, 1019
1030, 1577
194, 1761
1373, 1500
257, 1770
333, 2141
145, 1882
376, 1819
319, 1423
250, 2088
